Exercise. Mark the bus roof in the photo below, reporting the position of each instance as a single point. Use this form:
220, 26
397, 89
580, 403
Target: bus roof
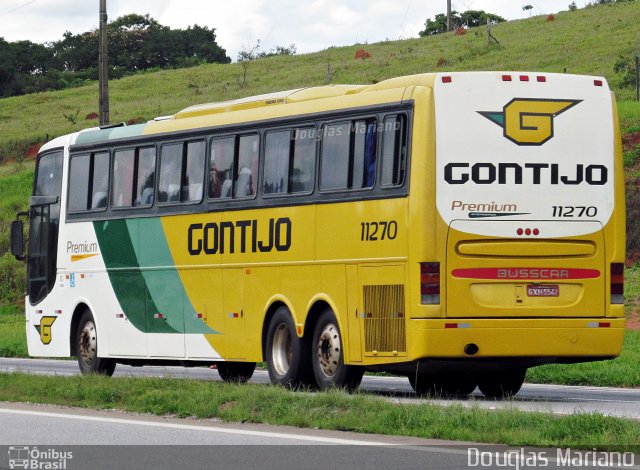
302, 94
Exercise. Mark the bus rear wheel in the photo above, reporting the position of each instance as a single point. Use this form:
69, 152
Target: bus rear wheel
453, 384
328, 359
288, 358
87, 348
502, 384
236, 372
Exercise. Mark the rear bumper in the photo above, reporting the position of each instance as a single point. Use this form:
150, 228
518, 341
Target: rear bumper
553, 339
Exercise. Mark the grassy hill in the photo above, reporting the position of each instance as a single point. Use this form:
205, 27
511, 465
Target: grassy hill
588, 41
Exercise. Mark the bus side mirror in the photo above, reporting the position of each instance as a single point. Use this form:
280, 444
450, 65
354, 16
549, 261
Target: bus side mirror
17, 240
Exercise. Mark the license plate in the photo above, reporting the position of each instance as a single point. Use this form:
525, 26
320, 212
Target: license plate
538, 290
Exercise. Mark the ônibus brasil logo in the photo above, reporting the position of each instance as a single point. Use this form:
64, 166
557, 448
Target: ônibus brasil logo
529, 121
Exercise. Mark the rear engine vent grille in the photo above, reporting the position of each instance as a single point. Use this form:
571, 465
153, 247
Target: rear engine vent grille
384, 319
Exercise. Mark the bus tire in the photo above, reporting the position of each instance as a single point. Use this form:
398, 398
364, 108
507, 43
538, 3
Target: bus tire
236, 372
442, 385
502, 384
423, 384
288, 357
456, 384
87, 348
328, 359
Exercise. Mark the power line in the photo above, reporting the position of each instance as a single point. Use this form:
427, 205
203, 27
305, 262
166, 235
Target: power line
406, 12
16, 6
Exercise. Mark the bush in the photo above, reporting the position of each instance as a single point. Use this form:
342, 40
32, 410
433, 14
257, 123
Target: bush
633, 219
12, 280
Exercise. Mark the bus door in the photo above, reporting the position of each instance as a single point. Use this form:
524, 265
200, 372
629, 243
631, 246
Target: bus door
164, 295
235, 337
44, 216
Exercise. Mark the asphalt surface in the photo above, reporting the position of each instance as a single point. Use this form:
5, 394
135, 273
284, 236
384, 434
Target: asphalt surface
90, 439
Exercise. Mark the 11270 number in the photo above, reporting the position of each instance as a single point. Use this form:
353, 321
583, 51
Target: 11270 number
374, 231
574, 211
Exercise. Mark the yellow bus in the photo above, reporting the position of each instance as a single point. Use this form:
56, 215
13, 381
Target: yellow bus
453, 228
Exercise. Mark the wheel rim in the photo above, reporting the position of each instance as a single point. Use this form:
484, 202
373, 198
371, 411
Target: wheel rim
281, 351
88, 344
329, 350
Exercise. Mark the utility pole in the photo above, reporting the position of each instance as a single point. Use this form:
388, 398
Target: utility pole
638, 77
103, 67
448, 15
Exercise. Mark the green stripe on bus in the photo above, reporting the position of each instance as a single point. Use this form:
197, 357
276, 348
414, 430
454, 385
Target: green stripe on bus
126, 246
163, 281
117, 248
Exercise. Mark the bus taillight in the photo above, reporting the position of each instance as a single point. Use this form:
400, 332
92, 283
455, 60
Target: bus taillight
617, 283
430, 283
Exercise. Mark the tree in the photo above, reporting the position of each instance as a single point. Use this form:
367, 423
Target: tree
468, 19
137, 42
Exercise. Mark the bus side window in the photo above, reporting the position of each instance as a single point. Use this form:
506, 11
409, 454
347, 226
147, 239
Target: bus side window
221, 167
181, 172
100, 180
134, 173
303, 170
349, 155
276, 162
123, 162
88, 181
394, 149
193, 180
79, 168
289, 161
170, 170
248, 153
146, 173
363, 166
334, 163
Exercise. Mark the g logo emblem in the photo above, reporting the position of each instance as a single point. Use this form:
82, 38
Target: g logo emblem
529, 121
44, 328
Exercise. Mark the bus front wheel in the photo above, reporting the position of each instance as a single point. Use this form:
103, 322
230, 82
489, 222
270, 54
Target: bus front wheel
502, 384
236, 372
328, 357
87, 348
287, 354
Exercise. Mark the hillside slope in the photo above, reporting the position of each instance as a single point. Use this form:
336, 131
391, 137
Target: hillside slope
587, 41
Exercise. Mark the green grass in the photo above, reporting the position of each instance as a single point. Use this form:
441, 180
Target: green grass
632, 284
332, 410
13, 342
629, 115
624, 371
15, 188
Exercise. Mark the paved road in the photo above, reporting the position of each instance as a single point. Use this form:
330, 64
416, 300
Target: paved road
49, 434
546, 398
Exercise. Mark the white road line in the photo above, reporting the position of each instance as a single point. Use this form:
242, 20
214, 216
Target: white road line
204, 428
